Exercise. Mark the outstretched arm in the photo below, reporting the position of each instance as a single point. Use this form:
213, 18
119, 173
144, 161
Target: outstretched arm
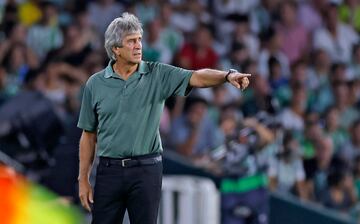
210, 77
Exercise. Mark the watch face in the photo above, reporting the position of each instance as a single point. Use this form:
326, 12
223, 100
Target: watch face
232, 70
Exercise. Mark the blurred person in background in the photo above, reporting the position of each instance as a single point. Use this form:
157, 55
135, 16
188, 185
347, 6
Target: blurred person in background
193, 134
30, 128
154, 48
189, 15
294, 36
87, 31
120, 116
147, 10
351, 149
243, 35
62, 82
340, 194
258, 98
169, 35
264, 15
16, 57
347, 112
318, 168
199, 53
312, 133
309, 14
75, 49
298, 77
292, 117
276, 79
333, 129
102, 12
46, 35
286, 172
319, 70
335, 37
272, 48
324, 94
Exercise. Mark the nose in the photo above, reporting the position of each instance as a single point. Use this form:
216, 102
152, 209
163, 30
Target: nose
138, 44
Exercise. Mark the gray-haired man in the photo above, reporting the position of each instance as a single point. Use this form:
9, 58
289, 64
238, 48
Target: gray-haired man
120, 113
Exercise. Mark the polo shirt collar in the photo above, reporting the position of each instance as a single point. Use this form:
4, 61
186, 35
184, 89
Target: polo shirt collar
109, 72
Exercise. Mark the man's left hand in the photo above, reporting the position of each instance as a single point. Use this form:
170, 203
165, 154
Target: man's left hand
239, 80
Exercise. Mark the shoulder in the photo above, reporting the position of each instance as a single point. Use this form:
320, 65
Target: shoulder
156, 67
96, 77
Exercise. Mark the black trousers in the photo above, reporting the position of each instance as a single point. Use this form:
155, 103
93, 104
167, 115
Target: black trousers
135, 189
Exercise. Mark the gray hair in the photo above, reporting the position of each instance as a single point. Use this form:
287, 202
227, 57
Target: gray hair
119, 28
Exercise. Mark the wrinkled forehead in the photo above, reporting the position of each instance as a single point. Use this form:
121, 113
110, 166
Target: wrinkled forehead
133, 35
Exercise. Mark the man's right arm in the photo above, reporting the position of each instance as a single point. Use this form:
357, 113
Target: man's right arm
86, 155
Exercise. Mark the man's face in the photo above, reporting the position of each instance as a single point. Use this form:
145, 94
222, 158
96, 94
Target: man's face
131, 50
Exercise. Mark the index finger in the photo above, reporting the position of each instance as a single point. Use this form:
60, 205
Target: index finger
245, 75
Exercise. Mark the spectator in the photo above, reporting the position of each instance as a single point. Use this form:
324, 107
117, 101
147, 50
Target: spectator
294, 36
318, 75
272, 48
170, 36
102, 12
336, 38
347, 113
333, 129
318, 168
292, 118
200, 53
312, 134
351, 149
193, 133
340, 194
258, 98
286, 171
154, 48
45, 35
309, 14
243, 35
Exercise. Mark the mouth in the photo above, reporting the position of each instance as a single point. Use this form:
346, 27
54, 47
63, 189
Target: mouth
137, 54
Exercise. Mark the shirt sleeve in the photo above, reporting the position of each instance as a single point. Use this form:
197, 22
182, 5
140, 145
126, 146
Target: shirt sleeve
174, 80
87, 118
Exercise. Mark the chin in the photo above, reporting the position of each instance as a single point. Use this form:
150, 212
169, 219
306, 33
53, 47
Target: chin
136, 61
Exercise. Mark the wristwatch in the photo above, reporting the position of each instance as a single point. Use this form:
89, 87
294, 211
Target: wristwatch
229, 72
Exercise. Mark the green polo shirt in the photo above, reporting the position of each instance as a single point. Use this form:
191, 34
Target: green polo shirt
126, 113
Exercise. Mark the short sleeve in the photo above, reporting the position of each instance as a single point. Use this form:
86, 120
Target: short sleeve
87, 118
174, 80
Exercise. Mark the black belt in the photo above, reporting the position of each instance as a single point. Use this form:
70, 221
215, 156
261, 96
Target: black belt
132, 161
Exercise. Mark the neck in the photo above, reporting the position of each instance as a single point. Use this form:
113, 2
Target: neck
124, 69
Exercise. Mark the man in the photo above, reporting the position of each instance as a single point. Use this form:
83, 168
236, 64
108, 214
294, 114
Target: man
120, 114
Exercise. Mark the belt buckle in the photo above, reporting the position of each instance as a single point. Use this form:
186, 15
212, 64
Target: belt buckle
123, 162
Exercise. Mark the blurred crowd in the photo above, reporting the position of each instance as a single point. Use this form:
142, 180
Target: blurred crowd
298, 122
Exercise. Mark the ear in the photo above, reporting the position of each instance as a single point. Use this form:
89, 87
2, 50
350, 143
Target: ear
116, 50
